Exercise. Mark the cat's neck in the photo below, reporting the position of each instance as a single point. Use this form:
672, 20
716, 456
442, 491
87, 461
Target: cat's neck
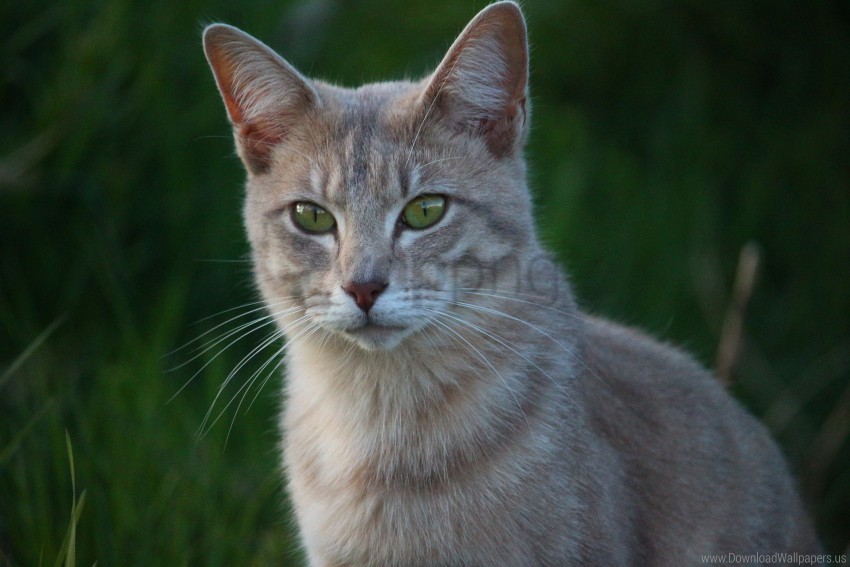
438, 375
420, 373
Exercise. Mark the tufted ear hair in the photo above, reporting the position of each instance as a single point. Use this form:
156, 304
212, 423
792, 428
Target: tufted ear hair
264, 95
481, 85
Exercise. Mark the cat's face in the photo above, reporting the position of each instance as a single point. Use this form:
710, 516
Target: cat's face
369, 210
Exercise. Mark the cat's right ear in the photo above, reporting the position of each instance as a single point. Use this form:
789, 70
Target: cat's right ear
264, 95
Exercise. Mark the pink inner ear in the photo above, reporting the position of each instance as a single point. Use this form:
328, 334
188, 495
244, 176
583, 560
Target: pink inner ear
233, 110
256, 141
223, 69
262, 94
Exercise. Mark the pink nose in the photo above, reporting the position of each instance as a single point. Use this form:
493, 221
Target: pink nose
365, 294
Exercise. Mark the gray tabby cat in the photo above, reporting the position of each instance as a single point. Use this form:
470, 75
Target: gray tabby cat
440, 408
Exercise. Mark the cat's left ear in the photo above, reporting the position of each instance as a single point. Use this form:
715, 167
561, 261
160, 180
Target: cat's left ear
481, 85
264, 95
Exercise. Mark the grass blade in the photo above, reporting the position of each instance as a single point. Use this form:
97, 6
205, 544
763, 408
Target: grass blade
68, 551
31, 348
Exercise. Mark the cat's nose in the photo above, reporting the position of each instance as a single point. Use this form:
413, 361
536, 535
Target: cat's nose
365, 294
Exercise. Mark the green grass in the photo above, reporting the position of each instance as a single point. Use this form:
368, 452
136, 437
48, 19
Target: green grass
666, 136
67, 555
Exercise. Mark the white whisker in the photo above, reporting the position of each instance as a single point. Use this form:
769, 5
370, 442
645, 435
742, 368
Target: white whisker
493, 336
206, 426
252, 327
496, 294
486, 361
262, 307
439, 161
512, 318
256, 350
245, 388
569, 351
280, 362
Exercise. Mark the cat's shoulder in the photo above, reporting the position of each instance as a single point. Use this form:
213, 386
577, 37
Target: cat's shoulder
637, 391
620, 359
629, 345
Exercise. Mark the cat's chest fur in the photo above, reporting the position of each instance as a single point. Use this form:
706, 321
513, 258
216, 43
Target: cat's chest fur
385, 482
567, 470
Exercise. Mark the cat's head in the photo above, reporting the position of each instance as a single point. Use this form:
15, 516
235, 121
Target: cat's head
369, 209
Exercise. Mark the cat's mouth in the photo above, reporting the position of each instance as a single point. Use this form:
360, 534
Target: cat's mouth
373, 328
373, 335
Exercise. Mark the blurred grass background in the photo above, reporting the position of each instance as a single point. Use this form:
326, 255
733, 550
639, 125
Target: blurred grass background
666, 135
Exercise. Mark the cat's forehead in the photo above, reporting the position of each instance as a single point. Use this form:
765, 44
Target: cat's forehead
377, 110
364, 152
371, 99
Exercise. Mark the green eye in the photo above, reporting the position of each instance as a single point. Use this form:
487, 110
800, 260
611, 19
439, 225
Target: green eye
423, 211
312, 218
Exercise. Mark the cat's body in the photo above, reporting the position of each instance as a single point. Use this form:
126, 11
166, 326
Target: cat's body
616, 466
447, 402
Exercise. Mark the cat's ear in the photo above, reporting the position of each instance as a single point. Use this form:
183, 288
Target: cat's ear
482, 83
264, 95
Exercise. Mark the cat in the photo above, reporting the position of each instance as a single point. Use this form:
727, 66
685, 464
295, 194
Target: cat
447, 402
